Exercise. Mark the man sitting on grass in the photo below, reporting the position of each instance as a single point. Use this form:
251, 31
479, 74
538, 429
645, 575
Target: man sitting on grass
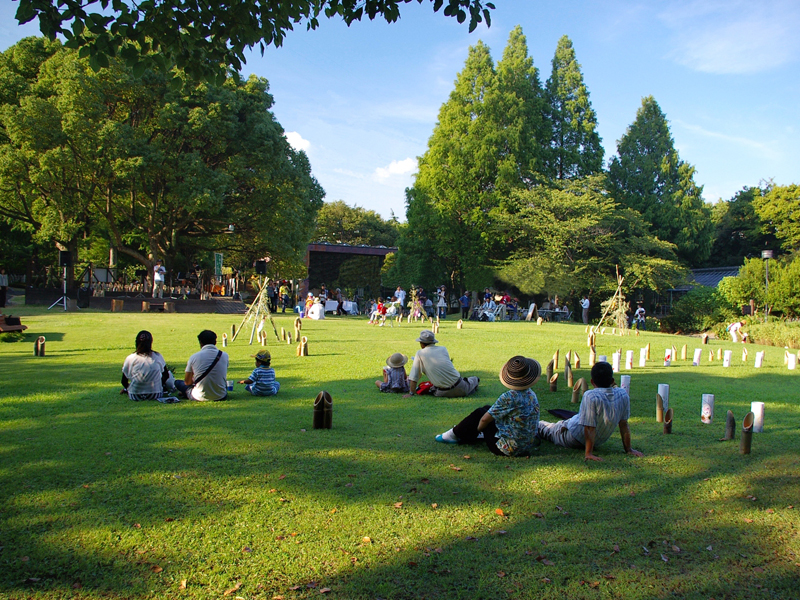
434, 361
206, 371
602, 410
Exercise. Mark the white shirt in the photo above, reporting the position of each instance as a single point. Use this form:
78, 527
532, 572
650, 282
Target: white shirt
639, 314
158, 273
401, 296
143, 373
213, 385
585, 303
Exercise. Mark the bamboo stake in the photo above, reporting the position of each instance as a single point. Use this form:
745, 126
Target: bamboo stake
577, 390
747, 434
668, 421
554, 383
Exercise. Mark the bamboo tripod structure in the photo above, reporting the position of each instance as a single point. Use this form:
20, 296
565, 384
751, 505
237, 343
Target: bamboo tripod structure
259, 310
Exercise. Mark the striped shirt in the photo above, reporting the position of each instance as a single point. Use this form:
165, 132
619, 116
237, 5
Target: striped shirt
603, 409
264, 383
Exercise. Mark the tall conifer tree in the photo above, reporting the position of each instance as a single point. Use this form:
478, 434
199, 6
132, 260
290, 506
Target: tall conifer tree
575, 149
649, 176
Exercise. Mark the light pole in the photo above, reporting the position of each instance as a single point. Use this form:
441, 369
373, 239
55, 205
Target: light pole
766, 255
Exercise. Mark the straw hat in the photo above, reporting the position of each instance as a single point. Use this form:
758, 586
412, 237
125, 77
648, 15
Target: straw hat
520, 373
397, 360
426, 337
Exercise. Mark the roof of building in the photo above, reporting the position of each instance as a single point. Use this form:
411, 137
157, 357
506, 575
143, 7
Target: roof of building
350, 249
707, 277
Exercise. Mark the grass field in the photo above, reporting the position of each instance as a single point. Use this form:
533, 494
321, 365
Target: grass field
101, 497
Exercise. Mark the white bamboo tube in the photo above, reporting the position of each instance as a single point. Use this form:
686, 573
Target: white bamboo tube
759, 359
698, 352
663, 391
786, 355
613, 331
615, 362
603, 331
643, 357
224, 340
628, 360
707, 408
726, 360
602, 358
792, 362
757, 408
668, 357
625, 383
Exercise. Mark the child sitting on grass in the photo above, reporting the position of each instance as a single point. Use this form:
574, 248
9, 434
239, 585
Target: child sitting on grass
262, 380
394, 375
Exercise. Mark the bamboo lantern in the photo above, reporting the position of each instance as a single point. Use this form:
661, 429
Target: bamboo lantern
603, 331
643, 357
592, 356
747, 434
726, 361
697, 356
668, 421
759, 359
710, 355
625, 384
704, 338
555, 360
233, 330
757, 408
744, 354
684, 351
288, 338
577, 390
549, 370
39, 346
283, 334
719, 353
629, 360
302, 347
224, 340
323, 411
662, 400
707, 408
568, 374
554, 383
539, 320
577, 360
730, 427
460, 324
615, 362
667, 357
647, 348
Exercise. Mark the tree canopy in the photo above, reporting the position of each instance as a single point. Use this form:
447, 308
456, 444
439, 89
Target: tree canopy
648, 176
204, 38
338, 223
155, 171
779, 211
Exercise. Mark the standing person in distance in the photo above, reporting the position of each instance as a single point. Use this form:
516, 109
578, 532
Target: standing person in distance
3, 287
639, 317
464, 301
158, 279
441, 305
585, 310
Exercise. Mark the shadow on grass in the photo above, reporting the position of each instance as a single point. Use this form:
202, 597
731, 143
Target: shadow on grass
102, 492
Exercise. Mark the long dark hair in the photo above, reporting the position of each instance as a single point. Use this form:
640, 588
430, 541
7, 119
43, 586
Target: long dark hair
144, 343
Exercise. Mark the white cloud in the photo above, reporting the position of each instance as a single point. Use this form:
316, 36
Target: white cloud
401, 167
297, 142
764, 149
734, 37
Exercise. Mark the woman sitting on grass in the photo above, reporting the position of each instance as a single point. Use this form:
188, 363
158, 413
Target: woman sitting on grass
262, 380
509, 426
144, 373
394, 375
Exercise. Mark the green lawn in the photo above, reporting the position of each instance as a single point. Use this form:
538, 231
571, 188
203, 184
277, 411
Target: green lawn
101, 497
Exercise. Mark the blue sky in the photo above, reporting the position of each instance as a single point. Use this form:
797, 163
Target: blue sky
362, 101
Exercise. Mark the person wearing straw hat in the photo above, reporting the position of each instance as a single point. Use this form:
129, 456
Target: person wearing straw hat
394, 375
262, 380
434, 361
508, 427
602, 410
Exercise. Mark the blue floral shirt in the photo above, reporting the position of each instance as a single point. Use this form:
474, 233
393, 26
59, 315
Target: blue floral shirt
516, 415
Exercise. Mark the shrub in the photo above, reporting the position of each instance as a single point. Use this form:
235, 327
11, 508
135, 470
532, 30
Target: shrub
12, 336
776, 333
699, 310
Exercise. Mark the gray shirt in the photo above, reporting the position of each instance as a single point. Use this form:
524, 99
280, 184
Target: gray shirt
603, 409
434, 361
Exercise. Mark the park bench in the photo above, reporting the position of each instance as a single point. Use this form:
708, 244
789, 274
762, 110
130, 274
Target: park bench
9, 323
